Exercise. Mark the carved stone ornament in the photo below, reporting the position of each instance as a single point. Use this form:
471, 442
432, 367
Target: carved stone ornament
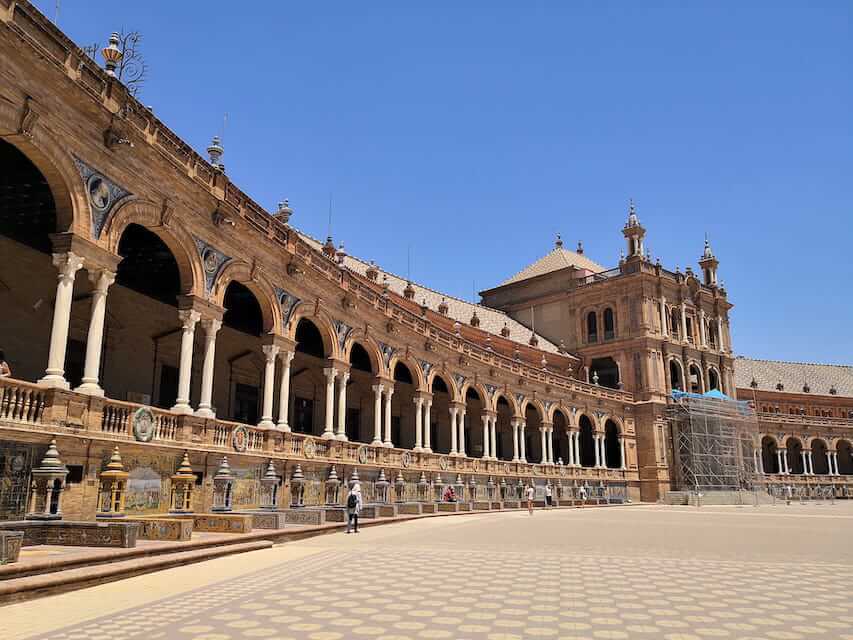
103, 194
406, 459
309, 449
343, 330
426, 367
288, 302
562, 470
240, 438
475, 464
442, 462
29, 117
213, 261
143, 424
361, 454
506, 467
387, 352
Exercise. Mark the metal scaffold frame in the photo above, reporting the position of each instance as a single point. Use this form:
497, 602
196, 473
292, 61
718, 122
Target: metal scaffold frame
714, 443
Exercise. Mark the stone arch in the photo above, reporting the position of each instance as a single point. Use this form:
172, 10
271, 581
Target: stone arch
694, 368
413, 367
713, 379
174, 236
819, 449
320, 320
769, 459
535, 404
241, 272
844, 451
58, 168
513, 405
587, 428
478, 389
675, 374
793, 449
369, 345
449, 382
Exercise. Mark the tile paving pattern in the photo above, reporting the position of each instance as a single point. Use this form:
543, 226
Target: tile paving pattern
471, 579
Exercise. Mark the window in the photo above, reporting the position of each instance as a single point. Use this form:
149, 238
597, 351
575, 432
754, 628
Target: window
609, 324
303, 415
591, 327
245, 403
689, 329
675, 323
75, 474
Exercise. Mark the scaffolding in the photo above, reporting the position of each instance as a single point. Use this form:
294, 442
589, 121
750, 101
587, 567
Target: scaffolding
714, 442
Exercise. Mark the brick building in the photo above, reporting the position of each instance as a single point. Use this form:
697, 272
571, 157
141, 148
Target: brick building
151, 305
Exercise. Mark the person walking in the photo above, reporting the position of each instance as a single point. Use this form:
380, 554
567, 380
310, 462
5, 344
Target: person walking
531, 492
582, 494
549, 500
5, 369
354, 503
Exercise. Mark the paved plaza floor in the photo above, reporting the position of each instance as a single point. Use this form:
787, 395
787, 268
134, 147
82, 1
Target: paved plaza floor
774, 572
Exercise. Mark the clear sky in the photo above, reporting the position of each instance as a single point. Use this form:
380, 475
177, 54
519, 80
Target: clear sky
474, 131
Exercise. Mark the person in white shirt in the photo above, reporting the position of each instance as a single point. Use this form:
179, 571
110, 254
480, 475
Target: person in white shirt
531, 493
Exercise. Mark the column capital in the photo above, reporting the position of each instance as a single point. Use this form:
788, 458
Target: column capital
68, 264
188, 318
426, 396
331, 373
515, 421
205, 308
460, 406
101, 279
378, 387
95, 256
547, 425
270, 351
282, 343
211, 326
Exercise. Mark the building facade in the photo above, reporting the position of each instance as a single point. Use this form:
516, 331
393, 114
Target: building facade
151, 305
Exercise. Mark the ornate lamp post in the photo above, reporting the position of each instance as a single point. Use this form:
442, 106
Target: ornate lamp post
48, 484
333, 487
112, 55
113, 486
269, 488
223, 487
183, 482
297, 488
423, 488
382, 485
400, 486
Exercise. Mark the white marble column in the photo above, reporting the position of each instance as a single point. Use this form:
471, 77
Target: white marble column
284, 391
543, 438
328, 427
720, 336
779, 461
389, 391
835, 470
571, 456
493, 429
663, 318
624, 464
428, 425
683, 322
785, 463
189, 318
515, 422
461, 420
522, 440
68, 265
211, 327
601, 442
270, 355
343, 378
804, 460
419, 422
453, 432
550, 440
101, 279
597, 450
377, 414
486, 419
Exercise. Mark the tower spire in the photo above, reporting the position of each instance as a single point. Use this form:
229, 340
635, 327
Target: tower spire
634, 233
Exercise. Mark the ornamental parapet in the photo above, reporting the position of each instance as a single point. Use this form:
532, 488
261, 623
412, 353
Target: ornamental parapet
51, 411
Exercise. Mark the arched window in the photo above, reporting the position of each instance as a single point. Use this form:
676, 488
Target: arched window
695, 379
591, 327
675, 379
675, 323
713, 380
609, 324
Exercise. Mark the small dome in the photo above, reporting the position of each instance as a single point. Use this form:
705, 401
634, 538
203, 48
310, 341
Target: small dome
442, 307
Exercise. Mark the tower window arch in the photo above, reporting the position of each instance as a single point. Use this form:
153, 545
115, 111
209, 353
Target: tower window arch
591, 327
609, 324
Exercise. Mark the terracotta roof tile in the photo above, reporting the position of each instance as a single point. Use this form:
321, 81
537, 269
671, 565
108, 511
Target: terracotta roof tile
558, 258
793, 375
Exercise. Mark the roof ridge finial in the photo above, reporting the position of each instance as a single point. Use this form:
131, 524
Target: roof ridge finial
558, 243
580, 247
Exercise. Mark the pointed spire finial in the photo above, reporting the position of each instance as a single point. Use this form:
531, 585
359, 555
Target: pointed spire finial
558, 243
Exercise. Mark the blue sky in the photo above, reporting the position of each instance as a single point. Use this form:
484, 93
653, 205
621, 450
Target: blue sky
474, 131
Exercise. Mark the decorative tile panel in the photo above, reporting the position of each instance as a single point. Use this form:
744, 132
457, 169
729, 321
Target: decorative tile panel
103, 195
212, 259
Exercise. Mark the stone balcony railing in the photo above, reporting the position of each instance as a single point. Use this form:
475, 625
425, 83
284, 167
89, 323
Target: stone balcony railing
804, 420
57, 411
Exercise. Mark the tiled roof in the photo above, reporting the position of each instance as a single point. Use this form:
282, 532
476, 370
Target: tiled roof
794, 375
558, 258
491, 320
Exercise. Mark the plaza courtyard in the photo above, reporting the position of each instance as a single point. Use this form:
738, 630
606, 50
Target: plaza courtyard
646, 571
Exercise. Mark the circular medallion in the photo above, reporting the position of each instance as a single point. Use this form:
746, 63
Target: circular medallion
240, 438
475, 464
309, 449
99, 193
143, 424
362, 455
406, 459
210, 261
506, 467
442, 462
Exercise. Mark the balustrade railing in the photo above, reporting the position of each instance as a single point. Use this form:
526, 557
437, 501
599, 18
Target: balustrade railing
21, 401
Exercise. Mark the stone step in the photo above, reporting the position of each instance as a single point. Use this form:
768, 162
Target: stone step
35, 586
